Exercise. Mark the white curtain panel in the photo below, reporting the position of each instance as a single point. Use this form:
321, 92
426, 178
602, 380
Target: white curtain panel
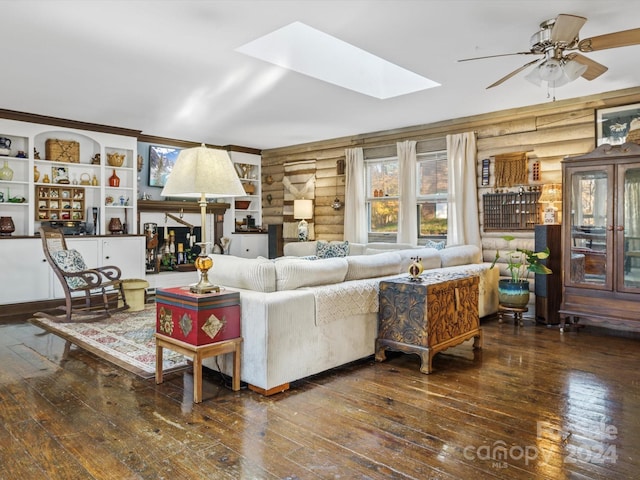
463, 225
355, 214
407, 225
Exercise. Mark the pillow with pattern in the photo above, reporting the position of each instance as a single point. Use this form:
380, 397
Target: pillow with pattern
436, 245
331, 250
70, 261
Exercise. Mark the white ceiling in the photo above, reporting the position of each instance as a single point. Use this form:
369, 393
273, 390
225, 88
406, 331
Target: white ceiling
170, 69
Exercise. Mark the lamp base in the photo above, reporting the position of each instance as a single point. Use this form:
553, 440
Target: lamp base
550, 216
203, 263
303, 231
202, 289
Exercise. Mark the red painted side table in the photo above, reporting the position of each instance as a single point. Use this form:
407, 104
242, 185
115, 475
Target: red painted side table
198, 326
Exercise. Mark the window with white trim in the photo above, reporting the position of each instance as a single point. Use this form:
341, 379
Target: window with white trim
431, 192
382, 195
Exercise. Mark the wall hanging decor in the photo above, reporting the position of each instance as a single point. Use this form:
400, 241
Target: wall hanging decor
161, 162
511, 169
299, 182
613, 124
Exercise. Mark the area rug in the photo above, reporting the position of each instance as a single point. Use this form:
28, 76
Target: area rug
125, 339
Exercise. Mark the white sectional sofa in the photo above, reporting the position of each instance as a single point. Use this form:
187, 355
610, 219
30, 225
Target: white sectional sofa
301, 316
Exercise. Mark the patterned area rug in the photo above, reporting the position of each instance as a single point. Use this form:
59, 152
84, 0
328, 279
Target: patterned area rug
125, 339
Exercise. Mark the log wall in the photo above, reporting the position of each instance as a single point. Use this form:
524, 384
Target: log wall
548, 132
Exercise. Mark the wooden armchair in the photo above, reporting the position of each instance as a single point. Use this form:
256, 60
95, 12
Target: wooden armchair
92, 294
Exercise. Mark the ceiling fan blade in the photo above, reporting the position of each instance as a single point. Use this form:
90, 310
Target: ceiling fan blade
594, 69
566, 28
610, 40
499, 55
515, 72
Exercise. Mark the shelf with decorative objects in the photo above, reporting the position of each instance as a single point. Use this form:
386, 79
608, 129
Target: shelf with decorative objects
14, 184
248, 238
247, 210
39, 155
508, 211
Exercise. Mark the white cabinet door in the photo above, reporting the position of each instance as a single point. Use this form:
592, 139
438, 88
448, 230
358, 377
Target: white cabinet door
250, 245
127, 253
25, 274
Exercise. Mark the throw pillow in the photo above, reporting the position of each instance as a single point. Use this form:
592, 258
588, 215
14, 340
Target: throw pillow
436, 245
331, 250
70, 261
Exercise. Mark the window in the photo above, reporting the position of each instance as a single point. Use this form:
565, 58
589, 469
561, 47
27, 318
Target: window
432, 190
382, 195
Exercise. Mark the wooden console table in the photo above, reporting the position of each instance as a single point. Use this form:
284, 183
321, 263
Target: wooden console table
428, 316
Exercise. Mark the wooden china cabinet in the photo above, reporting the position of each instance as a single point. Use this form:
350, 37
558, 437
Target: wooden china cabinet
601, 237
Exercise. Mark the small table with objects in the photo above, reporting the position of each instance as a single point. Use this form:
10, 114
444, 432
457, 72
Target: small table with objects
427, 316
198, 326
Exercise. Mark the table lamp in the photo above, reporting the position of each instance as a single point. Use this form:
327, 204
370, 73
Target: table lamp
203, 173
551, 194
303, 209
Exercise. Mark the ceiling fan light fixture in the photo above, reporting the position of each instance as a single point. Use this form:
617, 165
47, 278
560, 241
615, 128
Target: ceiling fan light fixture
573, 69
534, 77
550, 70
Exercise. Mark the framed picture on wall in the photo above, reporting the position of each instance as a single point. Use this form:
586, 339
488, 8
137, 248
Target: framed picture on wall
613, 124
161, 162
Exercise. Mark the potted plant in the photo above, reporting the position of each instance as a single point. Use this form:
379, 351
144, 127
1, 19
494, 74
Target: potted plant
514, 292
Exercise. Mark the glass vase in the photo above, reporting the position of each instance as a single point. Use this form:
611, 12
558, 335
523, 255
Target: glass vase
5, 172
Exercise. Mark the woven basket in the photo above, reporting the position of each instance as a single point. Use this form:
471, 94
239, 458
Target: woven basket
634, 136
62, 150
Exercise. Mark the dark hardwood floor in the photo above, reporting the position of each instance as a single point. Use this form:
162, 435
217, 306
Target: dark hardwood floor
534, 404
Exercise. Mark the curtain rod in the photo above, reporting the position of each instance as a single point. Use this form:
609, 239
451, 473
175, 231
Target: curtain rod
364, 147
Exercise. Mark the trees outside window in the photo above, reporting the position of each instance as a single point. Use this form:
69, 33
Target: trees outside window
432, 190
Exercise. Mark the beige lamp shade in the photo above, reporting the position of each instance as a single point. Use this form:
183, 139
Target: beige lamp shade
203, 171
302, 209
551, 193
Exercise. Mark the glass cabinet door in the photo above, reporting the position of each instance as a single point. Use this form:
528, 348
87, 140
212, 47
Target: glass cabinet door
628, 228
590, 231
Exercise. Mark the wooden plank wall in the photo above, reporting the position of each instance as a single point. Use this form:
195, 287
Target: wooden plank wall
548, 132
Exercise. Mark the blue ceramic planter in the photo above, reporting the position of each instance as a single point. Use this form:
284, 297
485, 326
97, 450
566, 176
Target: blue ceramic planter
513, 294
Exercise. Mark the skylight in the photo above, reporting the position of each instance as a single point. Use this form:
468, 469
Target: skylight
303, 49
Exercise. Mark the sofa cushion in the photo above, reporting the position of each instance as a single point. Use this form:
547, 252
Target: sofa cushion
257, 274
460, 255
429, 257
299, 249
389, 246
292, 273
331, 250
371, 266
357, 248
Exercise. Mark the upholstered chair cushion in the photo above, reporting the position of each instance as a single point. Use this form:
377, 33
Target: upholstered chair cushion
70, 261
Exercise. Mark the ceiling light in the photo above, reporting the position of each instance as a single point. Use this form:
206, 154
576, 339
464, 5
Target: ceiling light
303, 49
556, 73
550, 70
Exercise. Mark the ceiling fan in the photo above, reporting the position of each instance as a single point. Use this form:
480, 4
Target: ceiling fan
558, 36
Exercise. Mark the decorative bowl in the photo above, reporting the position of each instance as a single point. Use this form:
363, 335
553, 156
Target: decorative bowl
115, 159
242, 204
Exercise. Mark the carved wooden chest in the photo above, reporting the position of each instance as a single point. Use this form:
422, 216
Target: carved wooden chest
427, 316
